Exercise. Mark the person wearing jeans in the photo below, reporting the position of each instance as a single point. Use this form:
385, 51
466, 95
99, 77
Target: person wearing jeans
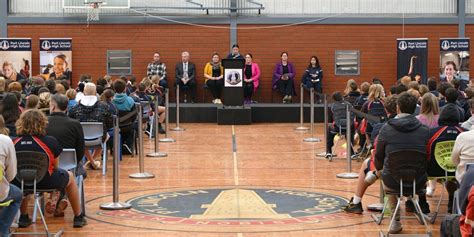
7, 191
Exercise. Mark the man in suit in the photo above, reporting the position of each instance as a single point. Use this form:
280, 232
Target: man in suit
186, 76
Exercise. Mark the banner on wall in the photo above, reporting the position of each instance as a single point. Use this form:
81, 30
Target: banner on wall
15, 58
412, 58
457, 51
56, 58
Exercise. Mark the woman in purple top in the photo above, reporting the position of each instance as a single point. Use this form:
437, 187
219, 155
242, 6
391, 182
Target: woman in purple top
283, 78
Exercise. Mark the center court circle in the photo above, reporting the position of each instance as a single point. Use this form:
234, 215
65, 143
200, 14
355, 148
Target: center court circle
230, 209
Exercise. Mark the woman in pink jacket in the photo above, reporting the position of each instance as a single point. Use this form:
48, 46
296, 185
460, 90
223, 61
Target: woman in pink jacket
251, 78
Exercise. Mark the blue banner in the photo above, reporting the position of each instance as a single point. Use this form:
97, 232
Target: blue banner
11, 44
412, 59
454, 44
55, 44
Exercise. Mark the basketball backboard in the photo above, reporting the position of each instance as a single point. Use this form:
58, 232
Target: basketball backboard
82, 4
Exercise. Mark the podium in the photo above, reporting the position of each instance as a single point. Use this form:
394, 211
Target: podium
233, 110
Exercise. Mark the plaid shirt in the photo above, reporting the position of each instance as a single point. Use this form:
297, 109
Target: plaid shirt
156, 69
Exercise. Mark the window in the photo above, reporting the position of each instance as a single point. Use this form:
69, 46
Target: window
347, 62
119, 62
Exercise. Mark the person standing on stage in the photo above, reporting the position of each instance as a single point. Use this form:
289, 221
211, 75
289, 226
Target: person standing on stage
235, 54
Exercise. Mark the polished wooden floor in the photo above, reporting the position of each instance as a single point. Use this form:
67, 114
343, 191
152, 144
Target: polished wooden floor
266, 155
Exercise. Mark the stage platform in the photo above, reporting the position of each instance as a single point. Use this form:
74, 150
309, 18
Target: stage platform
261, 113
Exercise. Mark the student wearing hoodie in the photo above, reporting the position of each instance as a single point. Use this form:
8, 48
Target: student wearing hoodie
121, 100
126, 108
404, 132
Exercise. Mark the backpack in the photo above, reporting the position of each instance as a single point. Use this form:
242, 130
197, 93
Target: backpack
450, 226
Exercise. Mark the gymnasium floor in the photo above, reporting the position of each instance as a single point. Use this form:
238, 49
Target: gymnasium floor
271, 186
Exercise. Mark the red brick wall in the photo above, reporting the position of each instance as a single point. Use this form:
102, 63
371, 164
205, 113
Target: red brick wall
377, 45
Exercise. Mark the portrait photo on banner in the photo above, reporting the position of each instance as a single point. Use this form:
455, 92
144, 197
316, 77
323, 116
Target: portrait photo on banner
455, 50
15, 58
56, 58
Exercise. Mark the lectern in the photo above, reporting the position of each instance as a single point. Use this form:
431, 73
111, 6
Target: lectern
233, 110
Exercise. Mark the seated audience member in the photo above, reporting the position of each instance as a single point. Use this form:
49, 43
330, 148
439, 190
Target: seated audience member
185, 72
8, 191
429, 111
448, 130
374, 106
466, 203
401, 133
31, 129
71, 95
32, 102
364, 89
80, 91
423, 90
158, 68
142, 95
125, 105
405, 81
213, 74
15, 86
351, 93
69, 134
442, 87
44, 99
121, 100
283, 78
468, 123
469, 93
417, 95
67, 131
401, 88
432, 86
367, 173
251, 78
463, 153
451, 101
313, 77
10, 112
414, 85
90, 109
338, 110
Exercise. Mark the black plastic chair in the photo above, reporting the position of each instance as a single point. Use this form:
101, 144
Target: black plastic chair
406, 166
31, 169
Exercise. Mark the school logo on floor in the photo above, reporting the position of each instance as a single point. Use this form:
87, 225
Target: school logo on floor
234, 207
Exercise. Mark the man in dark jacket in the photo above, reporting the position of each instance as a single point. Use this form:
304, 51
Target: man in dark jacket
404, 132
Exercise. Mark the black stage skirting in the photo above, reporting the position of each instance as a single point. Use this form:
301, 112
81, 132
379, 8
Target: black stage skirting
261, 113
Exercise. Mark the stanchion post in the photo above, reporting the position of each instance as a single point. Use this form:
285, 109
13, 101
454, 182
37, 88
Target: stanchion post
301, 127
349, 174
312, 138
177, 128
156, 121
116, 205
167, 114
326, 119
141, 161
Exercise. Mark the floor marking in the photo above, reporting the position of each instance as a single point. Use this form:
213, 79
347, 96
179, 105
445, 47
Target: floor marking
234, 153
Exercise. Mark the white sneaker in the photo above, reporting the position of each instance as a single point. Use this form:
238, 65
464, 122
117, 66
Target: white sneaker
214, 101
218, 101
429, 191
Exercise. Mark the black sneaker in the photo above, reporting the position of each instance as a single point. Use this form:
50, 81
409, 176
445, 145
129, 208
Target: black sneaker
160, 129
410, 207
79, 221
24, 221
126, 149
328, 156
354, 208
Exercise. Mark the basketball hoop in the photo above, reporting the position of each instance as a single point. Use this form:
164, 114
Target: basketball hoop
93, 10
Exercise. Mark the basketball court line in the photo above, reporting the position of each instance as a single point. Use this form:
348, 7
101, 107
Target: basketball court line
234, 154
